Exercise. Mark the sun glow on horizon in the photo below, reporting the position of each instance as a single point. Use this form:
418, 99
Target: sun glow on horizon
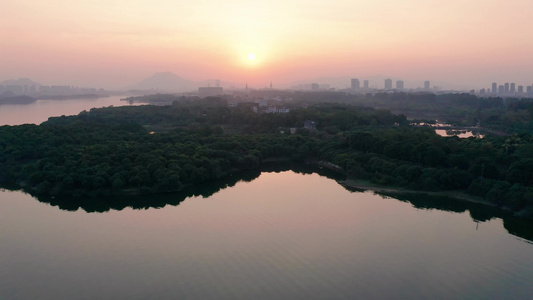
281, 40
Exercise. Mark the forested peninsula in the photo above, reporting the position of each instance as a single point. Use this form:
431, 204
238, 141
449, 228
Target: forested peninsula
161, 149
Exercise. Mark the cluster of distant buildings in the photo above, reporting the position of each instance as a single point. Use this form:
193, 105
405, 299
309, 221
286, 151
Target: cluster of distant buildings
356, 86
19, 89
506, 89
399, 85
55, 90
312, 87
211, 91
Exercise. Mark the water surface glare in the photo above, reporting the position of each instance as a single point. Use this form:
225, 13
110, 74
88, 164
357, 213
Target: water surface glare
281, 236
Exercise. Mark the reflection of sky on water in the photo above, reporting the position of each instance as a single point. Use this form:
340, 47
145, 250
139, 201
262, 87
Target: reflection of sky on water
281, 236
41, 110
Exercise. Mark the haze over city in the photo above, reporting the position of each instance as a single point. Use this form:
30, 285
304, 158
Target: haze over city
117, 44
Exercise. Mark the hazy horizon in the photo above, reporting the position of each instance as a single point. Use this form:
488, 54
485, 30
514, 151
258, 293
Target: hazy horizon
115, 45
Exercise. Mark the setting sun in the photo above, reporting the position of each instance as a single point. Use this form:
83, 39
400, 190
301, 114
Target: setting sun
251, 56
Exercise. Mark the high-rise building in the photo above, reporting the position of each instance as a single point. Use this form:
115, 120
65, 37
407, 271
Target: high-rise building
506, 88
365, 84
427, 85
388, 84
355, 84
513, 90
520, 89
399, 84
494, 88
501, 89
210, 91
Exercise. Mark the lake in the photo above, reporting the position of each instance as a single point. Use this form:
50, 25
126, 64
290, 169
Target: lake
41, 110
271, 235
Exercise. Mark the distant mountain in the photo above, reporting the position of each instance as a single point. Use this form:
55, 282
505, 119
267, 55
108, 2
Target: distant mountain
20, 82
166, 81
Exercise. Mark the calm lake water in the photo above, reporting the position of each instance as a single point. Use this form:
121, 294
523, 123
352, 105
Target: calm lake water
41, 110
282, 235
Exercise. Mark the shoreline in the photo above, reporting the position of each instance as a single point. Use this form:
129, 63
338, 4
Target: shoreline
390, 191
365, 185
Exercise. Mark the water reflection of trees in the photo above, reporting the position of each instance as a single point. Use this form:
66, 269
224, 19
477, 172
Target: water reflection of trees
206, 189
520, 227
104, 204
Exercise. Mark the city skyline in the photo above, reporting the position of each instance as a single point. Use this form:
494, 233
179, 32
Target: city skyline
169, 82
113, 45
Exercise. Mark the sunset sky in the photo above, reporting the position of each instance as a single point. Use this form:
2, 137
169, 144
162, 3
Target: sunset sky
117, 43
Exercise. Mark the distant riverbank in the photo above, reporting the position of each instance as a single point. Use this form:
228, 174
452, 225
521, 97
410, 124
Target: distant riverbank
72, 97
17, 100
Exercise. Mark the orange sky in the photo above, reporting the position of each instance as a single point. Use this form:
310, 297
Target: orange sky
110, 44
